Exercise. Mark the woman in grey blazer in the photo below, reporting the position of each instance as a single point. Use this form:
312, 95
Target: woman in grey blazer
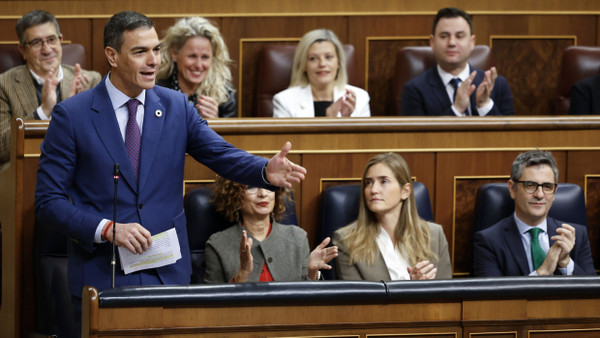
389, 241
258, 248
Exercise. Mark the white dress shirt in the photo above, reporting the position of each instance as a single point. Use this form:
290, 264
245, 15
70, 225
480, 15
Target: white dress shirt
392, 256
463, 75
119, 104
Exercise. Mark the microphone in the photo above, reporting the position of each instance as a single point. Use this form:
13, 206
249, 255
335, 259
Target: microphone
113, 262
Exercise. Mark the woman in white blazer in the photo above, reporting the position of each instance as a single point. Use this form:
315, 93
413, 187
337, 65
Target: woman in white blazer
319, 81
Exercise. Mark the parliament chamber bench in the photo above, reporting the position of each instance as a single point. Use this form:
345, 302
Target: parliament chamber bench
452, 157
498, 307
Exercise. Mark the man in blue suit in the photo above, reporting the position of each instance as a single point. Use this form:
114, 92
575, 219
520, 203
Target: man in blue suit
529, 243
454, 88
149, 139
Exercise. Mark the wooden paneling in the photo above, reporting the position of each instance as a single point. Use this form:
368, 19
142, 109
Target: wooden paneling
584, 169
452, 157
533, 83
512, 334
285, 7
571, 333
527, 45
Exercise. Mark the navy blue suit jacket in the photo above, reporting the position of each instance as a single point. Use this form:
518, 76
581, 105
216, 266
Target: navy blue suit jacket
75, 187
498, 250
585, 96
426, 95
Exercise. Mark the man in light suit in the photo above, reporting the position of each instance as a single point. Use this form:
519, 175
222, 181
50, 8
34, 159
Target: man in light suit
454, 87
92, 131
529, 243
30, 91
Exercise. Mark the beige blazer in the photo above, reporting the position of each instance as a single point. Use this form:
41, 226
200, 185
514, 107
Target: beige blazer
378, 271
18, 99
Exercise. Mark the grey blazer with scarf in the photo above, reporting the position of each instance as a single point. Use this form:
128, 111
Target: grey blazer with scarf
285, 251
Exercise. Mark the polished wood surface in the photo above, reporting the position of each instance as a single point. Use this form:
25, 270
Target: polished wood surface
549, 316
451, 156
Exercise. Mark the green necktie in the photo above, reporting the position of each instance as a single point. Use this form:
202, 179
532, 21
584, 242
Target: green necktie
537, 254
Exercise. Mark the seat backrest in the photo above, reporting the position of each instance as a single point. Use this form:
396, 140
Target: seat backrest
274, 72
51, 288
10, 56
340, 207
203, 220
412, 61
494, 203
577, 63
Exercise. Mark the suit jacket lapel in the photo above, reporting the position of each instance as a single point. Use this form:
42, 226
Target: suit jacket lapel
25, 90
515, 245
551, 226
109, 133
154, 117
65, 84
305, 102
438, 88
473, 103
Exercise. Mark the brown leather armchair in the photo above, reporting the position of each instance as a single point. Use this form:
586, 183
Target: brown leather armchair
274, 72
10, 56
412, 61
577, 64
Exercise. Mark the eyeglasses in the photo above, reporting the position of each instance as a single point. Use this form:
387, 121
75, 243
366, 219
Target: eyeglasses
252, 190
37, 44
532, 187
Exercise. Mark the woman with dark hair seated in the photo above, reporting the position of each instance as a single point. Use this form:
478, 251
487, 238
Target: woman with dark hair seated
389, 241
258, 248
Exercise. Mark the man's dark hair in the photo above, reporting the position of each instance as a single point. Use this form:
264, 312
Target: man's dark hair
533, 158
34, 18
452, 12
120, 23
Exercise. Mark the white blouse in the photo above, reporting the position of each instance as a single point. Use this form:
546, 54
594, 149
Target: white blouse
393, 257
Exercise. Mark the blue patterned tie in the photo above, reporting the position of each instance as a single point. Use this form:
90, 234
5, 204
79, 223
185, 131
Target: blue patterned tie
133, 137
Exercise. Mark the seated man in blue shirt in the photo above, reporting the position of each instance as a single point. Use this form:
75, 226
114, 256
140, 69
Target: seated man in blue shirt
529, 243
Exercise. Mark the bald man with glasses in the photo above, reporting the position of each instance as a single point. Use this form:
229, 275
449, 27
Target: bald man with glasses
529, 243
30, 91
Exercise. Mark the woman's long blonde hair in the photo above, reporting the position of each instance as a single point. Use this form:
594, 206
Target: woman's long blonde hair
411, 233
218, 80
299, 77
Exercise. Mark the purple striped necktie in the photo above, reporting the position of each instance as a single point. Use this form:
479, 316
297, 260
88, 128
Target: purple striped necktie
133, 137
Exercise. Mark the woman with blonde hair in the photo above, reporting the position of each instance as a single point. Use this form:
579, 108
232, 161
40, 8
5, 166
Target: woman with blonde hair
195, 61
319, 84
258, 248
389, 241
